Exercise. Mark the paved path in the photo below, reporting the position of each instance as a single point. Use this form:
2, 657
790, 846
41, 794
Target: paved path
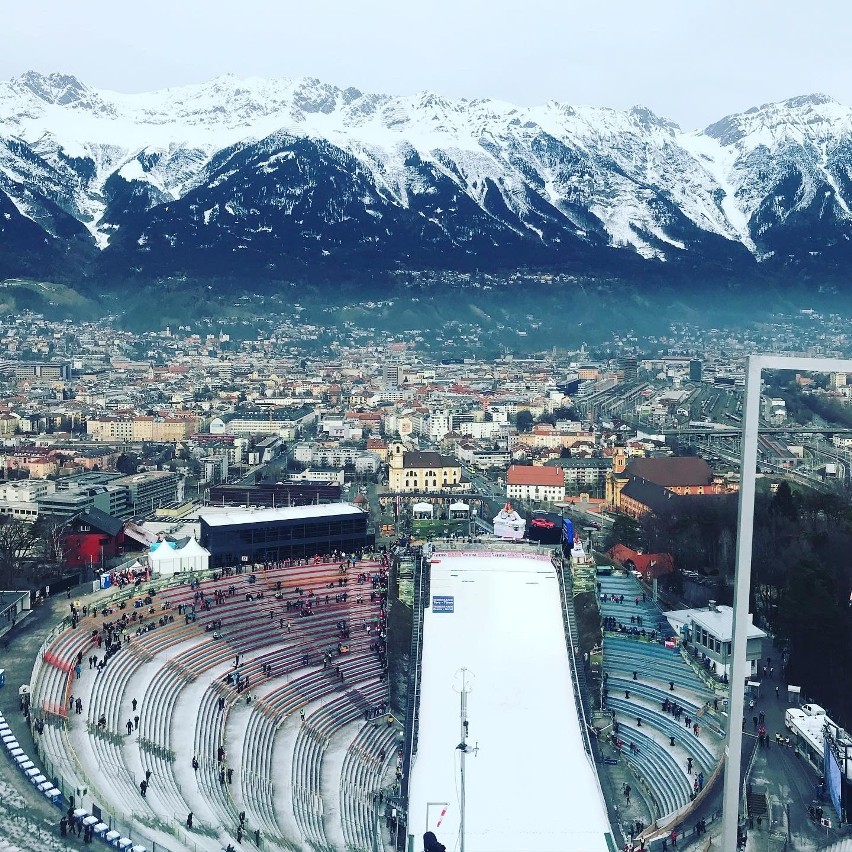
787, 779
30, 823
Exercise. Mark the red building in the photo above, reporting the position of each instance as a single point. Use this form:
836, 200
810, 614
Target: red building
92, 538
649, 565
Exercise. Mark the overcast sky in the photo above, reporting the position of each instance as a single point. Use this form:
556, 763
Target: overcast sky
693, 61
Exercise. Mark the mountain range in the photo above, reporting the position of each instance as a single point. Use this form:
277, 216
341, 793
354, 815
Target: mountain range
267, 177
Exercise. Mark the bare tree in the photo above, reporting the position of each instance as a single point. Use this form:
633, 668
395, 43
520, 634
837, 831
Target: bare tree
20, 541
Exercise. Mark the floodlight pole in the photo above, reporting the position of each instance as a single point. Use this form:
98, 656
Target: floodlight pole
464, 689
742, 577
463, 749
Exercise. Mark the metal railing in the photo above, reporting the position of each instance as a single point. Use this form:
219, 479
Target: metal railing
569, 626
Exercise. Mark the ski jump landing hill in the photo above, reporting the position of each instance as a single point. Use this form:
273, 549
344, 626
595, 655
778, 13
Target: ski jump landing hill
529, 781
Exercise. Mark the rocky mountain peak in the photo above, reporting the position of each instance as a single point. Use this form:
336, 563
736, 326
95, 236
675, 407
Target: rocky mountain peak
54, 88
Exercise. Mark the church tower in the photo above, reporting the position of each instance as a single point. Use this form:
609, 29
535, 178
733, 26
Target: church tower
396, 463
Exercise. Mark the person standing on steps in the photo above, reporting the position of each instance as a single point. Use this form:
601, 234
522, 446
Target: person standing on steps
189, 820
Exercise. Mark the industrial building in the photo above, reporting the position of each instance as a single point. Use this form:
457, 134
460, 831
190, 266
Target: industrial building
236, 536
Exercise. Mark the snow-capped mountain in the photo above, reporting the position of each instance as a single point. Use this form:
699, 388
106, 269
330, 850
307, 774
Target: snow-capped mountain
271, 173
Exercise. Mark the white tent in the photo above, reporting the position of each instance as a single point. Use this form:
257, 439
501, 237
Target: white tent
166, 557
422, 510
459, 510
194, 557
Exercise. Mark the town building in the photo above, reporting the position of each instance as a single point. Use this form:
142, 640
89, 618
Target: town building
238, 536
148, 490
584, 475
679, 475
710, 631
412, 471
535, 484
91, 538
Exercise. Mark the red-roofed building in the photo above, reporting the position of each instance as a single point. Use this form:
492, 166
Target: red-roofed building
378, 446
535, 483
649, 565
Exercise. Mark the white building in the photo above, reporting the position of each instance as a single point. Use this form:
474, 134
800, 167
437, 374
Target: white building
318, 474
710, 630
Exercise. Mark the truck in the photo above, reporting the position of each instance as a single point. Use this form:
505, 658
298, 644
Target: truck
806, 725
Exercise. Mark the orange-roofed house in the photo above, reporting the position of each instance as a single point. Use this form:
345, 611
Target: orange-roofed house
535, 484
378, 446
649, 565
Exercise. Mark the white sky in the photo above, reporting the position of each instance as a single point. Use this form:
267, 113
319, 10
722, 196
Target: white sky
690, 61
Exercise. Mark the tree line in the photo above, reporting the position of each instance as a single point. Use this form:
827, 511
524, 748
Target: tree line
801, 581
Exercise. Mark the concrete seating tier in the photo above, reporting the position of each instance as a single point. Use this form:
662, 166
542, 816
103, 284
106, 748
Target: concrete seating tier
61, 657
311, 743
652, 618
656, 661
271, 711
669, 727
656, 695
209, 734
653, 693
665, 780
247, 629
666, 673
630, 587
365, 764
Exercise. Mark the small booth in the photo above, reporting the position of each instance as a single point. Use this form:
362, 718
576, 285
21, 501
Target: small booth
422, 511
459, 511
